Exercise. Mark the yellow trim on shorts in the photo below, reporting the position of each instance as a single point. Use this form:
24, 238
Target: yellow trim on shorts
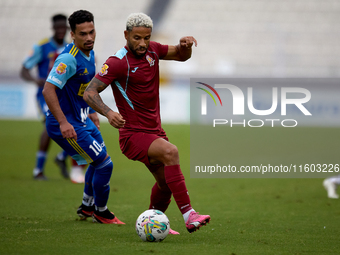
80, 151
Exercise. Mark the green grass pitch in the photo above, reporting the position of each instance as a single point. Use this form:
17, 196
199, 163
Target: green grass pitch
248, 216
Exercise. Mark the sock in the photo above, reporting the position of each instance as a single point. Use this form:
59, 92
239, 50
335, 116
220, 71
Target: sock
335, 179
40, 160
88, 189
87, 200
101, 182
159, 200
62, 155
186, 215
101, 209
175, 181
36, 171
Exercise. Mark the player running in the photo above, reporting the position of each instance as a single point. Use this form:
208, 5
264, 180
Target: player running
133, 73
68, 123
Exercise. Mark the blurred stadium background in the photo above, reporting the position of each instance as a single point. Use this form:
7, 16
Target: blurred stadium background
236, 38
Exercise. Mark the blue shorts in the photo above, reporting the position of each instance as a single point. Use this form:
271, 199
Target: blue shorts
89, 147
43, 108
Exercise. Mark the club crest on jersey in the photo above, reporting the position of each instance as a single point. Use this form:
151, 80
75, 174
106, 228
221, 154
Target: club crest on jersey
150, 60
103, 71
61, 68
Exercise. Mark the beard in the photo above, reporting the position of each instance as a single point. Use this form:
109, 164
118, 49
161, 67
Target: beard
134, 51
88, 47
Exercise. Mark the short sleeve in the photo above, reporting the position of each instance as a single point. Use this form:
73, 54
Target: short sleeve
109, 71
161, 49
34, 57
64, 68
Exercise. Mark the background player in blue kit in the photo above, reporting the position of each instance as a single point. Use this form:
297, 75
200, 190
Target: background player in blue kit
67, 120
43, 56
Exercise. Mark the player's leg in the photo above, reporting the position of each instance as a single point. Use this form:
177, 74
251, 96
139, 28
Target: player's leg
87, 207
89, 148
76, 150
162, 151
77, 172
101, 190
160, 193
330, 184
98, 175
135, 147
44, 142
60, 161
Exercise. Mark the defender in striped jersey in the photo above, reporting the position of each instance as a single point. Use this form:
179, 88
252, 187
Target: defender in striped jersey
67, 120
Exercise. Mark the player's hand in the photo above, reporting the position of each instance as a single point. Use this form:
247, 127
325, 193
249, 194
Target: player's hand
95, 119
187, 42
67, 130
115, 119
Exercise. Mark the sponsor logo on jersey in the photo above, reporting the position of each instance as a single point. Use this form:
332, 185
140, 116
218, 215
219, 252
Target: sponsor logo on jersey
150, 60
56, 80
103, 71
82, 89
61, 68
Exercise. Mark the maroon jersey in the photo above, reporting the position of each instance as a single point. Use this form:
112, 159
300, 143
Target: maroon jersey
135, 86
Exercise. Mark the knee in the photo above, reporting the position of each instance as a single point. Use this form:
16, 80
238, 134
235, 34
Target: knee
104, 166
171, 156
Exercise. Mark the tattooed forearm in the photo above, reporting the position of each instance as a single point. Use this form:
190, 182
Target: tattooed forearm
96, 85
95, 101
92, 97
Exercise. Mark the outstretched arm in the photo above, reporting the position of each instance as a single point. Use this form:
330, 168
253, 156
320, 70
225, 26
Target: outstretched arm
182, 51
93, 99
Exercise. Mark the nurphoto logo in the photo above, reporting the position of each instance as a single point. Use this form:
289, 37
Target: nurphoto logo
238, 104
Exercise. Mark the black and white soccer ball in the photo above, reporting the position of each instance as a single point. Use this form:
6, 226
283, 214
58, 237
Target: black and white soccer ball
152, 226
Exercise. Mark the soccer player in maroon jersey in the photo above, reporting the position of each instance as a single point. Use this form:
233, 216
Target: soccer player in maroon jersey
133, 73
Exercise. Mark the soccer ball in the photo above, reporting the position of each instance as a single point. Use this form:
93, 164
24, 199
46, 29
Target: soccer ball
152, 226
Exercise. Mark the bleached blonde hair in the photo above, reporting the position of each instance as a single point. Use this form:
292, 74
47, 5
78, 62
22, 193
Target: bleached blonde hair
138, 20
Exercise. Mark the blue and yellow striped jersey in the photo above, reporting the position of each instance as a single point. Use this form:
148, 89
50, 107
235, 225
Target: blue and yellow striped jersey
71, 73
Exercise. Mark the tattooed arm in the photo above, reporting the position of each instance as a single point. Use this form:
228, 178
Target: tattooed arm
93, 99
